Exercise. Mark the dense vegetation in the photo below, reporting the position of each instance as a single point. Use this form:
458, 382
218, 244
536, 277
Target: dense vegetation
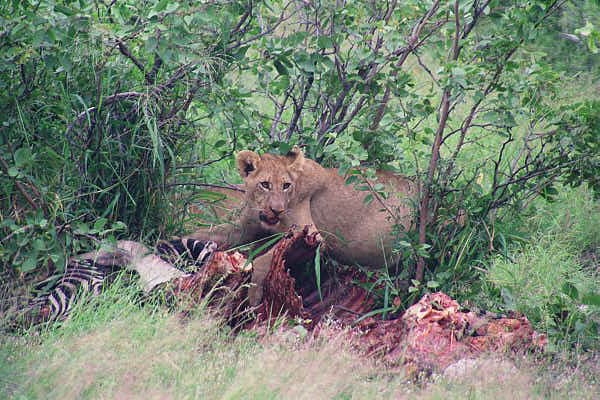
114, 112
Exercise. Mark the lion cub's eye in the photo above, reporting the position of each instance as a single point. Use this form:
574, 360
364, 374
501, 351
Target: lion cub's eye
286, 185
265, 185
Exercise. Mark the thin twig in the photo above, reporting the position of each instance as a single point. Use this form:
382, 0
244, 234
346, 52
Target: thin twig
299, 106
210, 185
280, 109
107, 101
20, 186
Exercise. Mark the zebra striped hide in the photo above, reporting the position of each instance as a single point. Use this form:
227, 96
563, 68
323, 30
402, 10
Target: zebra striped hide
89, 273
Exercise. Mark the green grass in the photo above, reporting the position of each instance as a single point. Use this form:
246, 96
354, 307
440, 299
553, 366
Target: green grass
554, 279
114, 347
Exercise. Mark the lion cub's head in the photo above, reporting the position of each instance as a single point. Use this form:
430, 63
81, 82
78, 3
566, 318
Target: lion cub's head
270, 184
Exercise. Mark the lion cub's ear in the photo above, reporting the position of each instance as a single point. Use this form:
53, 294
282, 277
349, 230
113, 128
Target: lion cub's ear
295, 157
247, 161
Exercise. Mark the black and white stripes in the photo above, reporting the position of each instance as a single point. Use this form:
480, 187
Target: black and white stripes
90, 273
186, 254
59, 294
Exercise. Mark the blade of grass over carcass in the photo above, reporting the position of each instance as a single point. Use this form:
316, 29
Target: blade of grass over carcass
386, 301
253, 253
318, 271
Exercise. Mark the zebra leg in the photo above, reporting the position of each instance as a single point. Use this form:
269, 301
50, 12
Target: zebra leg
180, 252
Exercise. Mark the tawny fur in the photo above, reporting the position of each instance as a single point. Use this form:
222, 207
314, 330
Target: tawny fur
283, 191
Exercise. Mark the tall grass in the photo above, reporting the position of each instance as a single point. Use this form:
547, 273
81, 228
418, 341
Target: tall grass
554, 279
115, 347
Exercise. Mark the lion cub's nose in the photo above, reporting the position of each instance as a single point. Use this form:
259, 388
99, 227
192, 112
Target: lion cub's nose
277, 210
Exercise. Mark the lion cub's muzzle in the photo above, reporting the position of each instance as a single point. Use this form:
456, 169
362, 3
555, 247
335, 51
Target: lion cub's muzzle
270, 217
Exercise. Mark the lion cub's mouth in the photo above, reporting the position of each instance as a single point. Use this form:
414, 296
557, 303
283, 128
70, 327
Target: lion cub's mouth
268, 219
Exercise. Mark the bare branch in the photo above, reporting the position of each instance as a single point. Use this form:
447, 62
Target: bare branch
413, 42
477, 12
20, 186
343, 124
299, 106
426, 188
443, 114
244, 21
176, 76
280, 108
282, 18
125, 51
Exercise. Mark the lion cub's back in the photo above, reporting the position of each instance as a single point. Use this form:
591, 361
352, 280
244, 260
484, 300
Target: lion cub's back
358, 230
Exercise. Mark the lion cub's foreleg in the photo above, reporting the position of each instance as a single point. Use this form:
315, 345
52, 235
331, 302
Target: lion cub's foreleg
260, 269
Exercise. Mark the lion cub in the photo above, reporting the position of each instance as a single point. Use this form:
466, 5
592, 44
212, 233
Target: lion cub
283, 191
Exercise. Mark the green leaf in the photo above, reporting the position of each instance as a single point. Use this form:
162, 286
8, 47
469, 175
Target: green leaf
283, 147
171, 7
591, 42
100, 224
29, 264
433, 284
570, 290
383, 310
151, 44
585, 30
591, 299
64, 10
273, 239
13, 172
280, 67
119, 226
318, 270
295, 39
38, 245
305, 62
280, 84
82, 228
161, 5
23, 157
386, 301
352, 179
324, 42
